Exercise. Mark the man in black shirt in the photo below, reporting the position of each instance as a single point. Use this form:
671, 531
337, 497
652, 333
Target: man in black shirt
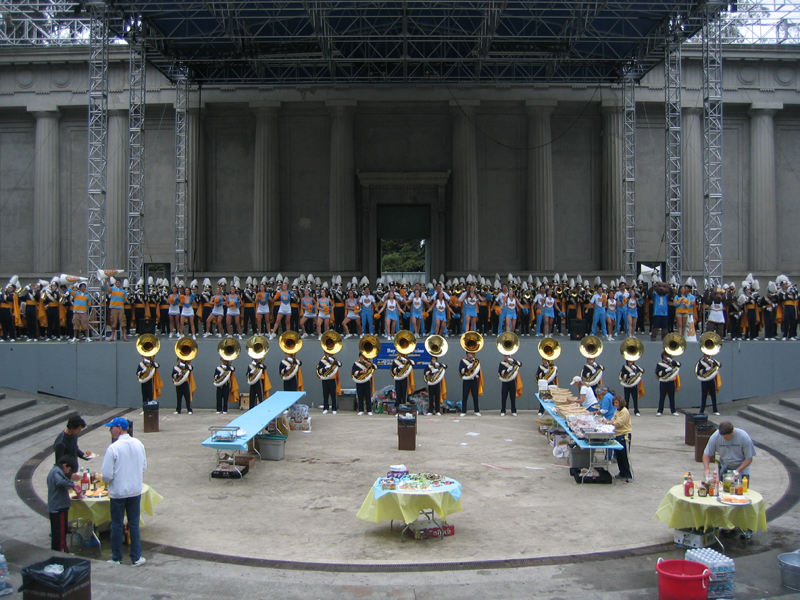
67, 440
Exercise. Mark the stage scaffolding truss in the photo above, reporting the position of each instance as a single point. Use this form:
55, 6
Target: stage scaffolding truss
673, 163
712, 152
629, 182
136, 150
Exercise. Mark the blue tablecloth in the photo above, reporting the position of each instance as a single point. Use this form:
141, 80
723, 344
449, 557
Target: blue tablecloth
454, 489
550, 407
255, 419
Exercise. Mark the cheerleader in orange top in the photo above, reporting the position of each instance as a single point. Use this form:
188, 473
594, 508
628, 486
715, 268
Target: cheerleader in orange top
352, 308
262, 309
324, 309
684, 305
309, 308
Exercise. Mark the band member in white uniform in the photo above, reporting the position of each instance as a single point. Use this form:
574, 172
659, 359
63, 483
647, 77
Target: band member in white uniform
630, 375
361, 373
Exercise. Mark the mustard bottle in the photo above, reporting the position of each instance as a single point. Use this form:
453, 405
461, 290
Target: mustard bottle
744, 484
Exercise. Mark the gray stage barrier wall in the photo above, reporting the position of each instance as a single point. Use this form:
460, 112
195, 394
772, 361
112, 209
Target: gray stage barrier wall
104, 373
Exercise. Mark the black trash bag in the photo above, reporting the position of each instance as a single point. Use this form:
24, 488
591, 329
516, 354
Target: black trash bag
76, 570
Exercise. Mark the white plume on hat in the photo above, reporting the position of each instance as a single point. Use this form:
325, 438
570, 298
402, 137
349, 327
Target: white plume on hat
193, 283
772, 288
597, 280
206, 282
537, 282
579, 279
557, 279
150, 280
222, 281
756, 285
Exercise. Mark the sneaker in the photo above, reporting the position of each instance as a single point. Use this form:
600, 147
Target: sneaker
114, 562
190, 412
502, 414
88, 339
139, 562
325, 412
219, 335
428, 414
619, 476
194, 337
217, 412
513, 414
638, 414
676, 414
361, 412
206, 334
438, 414
716, 413
369, 414
629, 480
477, 414
305, 335
319, 338
176, 413
348, 336
783, 338
541, 413
73, 340
463, 415
658, 414
333, 412
239, 336
224, 412
272, 336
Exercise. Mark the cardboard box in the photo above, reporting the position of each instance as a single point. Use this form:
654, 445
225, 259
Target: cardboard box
558, 438
425, 529
694, 538
245, 459
226, 471
244, 401
303, 425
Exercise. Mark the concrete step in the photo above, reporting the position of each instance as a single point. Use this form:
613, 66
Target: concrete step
14, 404
2, 395
53, 418
769, 423
790, 403
778, 413
21, 419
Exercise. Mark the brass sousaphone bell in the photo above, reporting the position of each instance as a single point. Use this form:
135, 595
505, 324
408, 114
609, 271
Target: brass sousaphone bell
472, 342
631, 348
186, 348
710, 343
331, 342
591, 346
148, 345
257, 347
549, 348
369, 346
507, 343
228, 349
290, 342
674, 344
405, 342
436, 345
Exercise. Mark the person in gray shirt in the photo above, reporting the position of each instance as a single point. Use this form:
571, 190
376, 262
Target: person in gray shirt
735, 449
59, 483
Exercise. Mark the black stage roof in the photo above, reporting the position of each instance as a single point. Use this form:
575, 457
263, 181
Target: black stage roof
412, 41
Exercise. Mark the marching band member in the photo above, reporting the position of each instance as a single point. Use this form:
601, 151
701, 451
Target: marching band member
233, 302
324, 310
258, 380
510, 386
139, 300
707, 372
284, 300
187, 312
749, 301
9, 311
291, 374
128, 307
328, 373
352, 307
174, 302
207, 304
31, 296
225, 382
249, 306
183, 378
64, 312
262, 310
402, 371
51, 298
362, 372
309, 308
161, 300
149, 377
549, 372
768, 305
788, 299
592, 373
338, 306
437, 389
472, 382
669, 382
630, 376
80, 313
116, 308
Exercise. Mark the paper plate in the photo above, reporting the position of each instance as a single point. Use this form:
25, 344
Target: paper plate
732, 500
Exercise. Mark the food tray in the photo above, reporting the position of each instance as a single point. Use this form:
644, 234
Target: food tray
733, 500
223, 434
596, 437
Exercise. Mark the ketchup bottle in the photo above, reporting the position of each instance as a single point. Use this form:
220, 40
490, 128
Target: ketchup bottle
85, 482
688, 486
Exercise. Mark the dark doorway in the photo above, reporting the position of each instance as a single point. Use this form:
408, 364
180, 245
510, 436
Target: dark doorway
402, 234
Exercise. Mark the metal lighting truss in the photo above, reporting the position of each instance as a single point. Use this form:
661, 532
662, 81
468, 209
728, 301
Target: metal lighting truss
181, 124
673, 162
136, 148
629, 165
43, 22
98, 148
712, 152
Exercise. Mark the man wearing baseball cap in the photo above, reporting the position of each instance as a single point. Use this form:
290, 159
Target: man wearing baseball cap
123, 465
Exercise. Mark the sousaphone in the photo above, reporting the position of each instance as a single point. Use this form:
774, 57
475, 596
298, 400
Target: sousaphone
710, 343
436, 345
549, 348
290, 342
186, 348
257, 347
591, 346
228, 349
369, 346
331, 342
405, 342
631, 348
148, 345
472, 342
507, 343
674, 344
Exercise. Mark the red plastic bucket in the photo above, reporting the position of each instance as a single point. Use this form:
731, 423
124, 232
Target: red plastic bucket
682, 580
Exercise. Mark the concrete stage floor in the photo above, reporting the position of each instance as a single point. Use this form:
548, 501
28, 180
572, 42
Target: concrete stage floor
518, 500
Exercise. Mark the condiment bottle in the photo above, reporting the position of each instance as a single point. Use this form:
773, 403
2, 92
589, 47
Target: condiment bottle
716, 483
744, 484
688, 486
739, 486
85, 481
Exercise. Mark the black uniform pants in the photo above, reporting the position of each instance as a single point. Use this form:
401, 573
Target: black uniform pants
138, 312
290, 385
249, 316
508, 389
735, 327
163, 320
53, 329
183, 392
632, 393
147, 391
329, 401
708, 388
338, 316
401, 391
30, 317
364, 396
435, 398
257, 394
769, 324
469, 386
223, 393
789, 325
751, 323
666, 388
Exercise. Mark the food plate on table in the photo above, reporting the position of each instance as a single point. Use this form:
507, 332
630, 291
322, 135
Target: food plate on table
733, 500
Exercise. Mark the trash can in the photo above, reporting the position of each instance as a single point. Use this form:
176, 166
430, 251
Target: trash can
74, 582
702, 435
151, 417
272, 446
406, 427
577, 329
692, 419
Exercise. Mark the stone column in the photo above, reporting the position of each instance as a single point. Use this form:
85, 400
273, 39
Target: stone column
342, 199
46, 218
117, 191
266, 188
541, 218
465, 186
763, 202
612, 213
693, 190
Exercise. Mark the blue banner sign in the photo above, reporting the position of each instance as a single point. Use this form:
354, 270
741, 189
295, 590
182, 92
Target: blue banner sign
388, 353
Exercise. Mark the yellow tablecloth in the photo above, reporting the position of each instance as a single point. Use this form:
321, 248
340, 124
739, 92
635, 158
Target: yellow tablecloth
98, 510
405, 505
680, 512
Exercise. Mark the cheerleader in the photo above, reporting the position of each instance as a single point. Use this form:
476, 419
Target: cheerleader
633, 311
684, 305
284, 299
548, 311
538, 306
611, 316
470, 300
391, 307
262, 309
309, 308
174, 302
324, 309
417, 303
217, 313
351, 307
441, 310
233, 302
511, 311
367, 301
187, 312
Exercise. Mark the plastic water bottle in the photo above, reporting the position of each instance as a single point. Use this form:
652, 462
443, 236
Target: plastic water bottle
5, 583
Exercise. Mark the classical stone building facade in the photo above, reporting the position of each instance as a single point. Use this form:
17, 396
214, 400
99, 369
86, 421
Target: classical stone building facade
307, 179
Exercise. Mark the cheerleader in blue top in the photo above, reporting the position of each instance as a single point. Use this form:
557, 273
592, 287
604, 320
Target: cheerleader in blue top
324, 309
309, 308
417, 304
441, 311
187, 313
284, 300
352, 308
391, 307
548, 311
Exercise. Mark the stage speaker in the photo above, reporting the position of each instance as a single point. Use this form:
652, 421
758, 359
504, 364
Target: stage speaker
145, 326
577, 329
